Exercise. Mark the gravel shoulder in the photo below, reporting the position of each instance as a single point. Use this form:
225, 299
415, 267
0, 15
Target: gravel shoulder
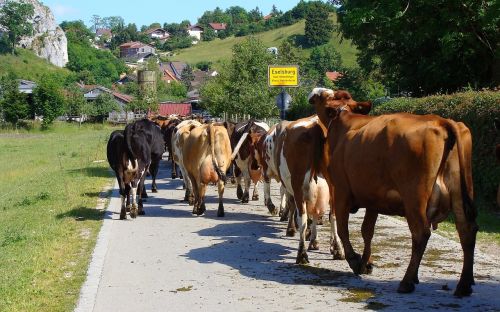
170, 260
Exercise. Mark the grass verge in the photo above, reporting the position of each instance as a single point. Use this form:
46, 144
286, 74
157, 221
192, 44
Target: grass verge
51, 181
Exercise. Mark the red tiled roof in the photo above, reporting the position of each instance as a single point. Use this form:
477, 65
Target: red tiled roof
181, 109
133, 44
168, 75
218, 26
124, 97
268, 17
334, 75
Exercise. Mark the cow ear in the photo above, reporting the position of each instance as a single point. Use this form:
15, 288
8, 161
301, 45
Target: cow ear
362, 108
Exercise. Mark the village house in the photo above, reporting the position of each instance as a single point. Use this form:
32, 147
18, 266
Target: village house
167, 72
217, 26
103, 33
135, 49
195, 32
158, 33
92, 92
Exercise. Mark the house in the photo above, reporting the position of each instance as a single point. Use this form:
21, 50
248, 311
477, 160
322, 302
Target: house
180, 109
93, 91
26, 86
268, 17
195, 31
158, 33
217, 26
168, 74
177, 68
334, 75
126, 78
135, 49
103, 33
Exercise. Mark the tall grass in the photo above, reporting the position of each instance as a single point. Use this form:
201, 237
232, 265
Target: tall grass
50, 185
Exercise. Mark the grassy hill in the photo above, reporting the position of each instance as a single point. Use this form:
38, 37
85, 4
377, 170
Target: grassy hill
218, 50
26, 65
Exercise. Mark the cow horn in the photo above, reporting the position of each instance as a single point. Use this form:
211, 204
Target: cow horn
237, 148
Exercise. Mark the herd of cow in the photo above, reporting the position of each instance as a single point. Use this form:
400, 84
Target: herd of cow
414, 166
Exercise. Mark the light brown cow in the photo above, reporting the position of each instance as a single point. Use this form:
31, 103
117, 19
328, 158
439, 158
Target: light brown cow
179, 136
206, 157
398, 164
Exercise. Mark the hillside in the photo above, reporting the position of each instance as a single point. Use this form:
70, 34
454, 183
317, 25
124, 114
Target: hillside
26, 65
218, 50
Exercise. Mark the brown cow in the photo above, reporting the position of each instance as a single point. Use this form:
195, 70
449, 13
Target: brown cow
206, 157
399, 164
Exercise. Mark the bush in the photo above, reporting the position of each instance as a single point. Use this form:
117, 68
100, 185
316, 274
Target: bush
477, 110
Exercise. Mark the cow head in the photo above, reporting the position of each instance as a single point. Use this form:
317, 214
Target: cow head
328, 103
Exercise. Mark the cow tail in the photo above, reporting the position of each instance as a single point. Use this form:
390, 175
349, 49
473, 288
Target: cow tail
211, 134
470, 209
319, 143
128, 140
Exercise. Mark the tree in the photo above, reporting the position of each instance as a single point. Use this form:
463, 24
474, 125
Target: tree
96, 21
104, 104
15, 18
209, 34
419, 53
318, 28
76, 104
322, 59
13, 103
187, 76
241, 86
48, 100
255, 15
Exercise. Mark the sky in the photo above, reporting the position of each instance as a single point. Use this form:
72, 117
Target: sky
146, 12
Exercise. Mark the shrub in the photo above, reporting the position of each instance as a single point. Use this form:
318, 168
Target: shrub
477, 110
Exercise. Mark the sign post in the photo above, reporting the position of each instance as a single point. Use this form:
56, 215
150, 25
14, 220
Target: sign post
283, 76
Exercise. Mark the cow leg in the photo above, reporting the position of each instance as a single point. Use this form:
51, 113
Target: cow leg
291, 228
342, 209
246, 192
220, 187
123, 211
195, 190
141, 205
302, 257
267, 197
420, 233
143, 191
367, 230
153, 169
313, 243
336, 248
174, 167
255, 194
181, 175
284, 208
201, 199
127, 194
467, 230
239, 189
134, 210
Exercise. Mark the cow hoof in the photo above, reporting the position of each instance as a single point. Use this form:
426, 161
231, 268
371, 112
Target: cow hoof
368, 269
355, 264
154, 190
290, 232
302, 258
220, 211
133, 213
337, 254
201, 210
255, 197
128, 208
283, 218
313, 245
244, 198
405, 287
144, 195
272, 209
123, 216
174, 176
239, 192
463, 290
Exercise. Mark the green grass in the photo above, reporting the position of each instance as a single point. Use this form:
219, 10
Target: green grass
218, 50
26, 65
50, 185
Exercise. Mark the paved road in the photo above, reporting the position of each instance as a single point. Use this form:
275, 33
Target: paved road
170, 260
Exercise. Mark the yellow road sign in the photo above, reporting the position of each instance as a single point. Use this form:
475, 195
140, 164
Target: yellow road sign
283, 76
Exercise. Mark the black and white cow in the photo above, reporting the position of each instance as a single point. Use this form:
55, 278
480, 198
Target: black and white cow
244, 168
129, 155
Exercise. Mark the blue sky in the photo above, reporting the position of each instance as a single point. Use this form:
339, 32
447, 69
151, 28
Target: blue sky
146, 12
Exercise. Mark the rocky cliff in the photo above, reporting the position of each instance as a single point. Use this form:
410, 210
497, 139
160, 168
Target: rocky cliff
48, 40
